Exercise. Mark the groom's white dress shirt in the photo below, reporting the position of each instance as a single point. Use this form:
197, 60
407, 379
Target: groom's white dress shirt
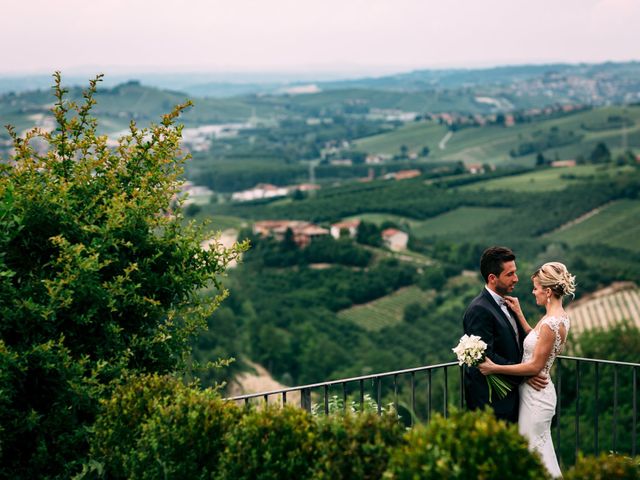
503, 306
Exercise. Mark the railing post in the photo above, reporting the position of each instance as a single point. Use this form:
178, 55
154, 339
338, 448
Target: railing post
305, 399
635, 412
413, 397
326, 399
379, 395
446, 391
395, 391
461, 388
595, 417
615, 409
577, 417
558, 402
344, 396
429, 396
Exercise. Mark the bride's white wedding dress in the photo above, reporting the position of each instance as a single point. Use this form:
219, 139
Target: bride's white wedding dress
538, 407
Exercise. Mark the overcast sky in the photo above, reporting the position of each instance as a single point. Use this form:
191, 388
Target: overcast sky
77, 36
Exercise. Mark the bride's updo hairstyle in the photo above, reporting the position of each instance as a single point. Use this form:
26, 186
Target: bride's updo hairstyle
554, 275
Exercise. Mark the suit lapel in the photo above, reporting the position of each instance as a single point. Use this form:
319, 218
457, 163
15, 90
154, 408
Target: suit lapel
500, 314
521, 333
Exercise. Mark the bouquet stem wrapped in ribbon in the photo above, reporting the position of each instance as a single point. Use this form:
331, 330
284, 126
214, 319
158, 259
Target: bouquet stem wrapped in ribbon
471, 352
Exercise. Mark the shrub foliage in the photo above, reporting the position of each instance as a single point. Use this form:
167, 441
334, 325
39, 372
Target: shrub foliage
465, 445
99, 276
604, 467
356, 445
158, 427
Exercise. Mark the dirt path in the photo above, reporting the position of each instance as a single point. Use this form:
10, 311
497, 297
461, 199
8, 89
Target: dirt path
443, 142
260, 381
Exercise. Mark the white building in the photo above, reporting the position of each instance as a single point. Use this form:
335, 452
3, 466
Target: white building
260, 191
395, 239
350, 226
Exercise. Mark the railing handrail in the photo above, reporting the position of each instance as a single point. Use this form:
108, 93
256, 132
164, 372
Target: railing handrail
597, 360
344, 380
401, 372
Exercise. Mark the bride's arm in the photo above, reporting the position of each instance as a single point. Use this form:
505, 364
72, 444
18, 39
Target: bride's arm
514, 304
541, 353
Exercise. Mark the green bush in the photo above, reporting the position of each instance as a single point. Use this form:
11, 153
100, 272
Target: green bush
100, 278
273, 443
45, 397
157, 427
471, 445
356, 445
604, 467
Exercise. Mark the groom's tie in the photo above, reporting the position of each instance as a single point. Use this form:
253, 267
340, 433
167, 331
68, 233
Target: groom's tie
503, 307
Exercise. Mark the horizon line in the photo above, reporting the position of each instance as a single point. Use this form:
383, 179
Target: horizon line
303, 70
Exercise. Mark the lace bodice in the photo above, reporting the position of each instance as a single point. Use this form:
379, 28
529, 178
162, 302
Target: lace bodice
532, 338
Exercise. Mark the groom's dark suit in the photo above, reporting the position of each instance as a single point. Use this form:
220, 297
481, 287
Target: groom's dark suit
485, 318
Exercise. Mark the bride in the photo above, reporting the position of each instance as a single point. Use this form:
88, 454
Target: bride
543, 343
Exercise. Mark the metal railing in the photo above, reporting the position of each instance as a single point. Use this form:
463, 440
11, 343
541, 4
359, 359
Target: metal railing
595, 397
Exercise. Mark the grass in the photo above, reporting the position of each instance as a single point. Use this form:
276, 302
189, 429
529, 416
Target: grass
385, 311
456, 222
546, 180
414, 136
460, 221
615, 225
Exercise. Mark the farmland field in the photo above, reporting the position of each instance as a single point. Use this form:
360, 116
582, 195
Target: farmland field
460, 221
493, 144
615, 225
413, 136
385, 311
545, 180
455, 222
605, 308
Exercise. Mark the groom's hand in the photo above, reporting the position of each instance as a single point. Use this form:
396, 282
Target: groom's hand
538, 382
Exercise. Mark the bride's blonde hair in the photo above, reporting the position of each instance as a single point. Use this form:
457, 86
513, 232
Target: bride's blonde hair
554, 275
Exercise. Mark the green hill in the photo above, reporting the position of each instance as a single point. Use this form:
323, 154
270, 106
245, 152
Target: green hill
386, 311
615, 225
451, 224
565, 137
414, 136
548, 179
129, 101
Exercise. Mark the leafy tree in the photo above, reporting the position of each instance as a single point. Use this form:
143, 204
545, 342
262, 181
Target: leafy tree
100, 278
369, 234
600, 153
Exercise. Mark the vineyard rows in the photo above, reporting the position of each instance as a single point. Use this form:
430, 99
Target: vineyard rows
606, 307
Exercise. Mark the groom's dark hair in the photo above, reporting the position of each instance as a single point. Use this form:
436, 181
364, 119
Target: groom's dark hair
492, 260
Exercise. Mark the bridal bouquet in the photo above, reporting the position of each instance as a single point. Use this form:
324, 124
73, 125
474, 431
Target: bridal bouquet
470, 352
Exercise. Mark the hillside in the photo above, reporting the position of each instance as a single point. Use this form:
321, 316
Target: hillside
604, 308
290, 315
367, 309
567, 136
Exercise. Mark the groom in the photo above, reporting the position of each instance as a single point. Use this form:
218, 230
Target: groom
489, 317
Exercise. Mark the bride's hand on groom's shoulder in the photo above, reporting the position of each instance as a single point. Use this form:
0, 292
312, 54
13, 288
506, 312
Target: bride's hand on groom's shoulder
513, 303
